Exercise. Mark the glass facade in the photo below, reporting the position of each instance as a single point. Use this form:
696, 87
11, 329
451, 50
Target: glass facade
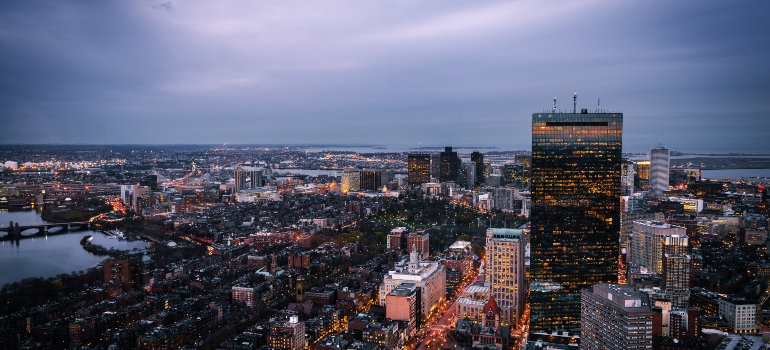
575, 220
450, 165
419, 169
481, 171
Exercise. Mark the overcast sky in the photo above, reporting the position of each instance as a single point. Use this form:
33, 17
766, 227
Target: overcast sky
694, 74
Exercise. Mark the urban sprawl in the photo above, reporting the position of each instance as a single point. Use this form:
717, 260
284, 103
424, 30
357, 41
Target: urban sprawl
569, 245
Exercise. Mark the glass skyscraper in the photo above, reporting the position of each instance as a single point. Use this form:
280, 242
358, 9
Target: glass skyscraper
575, 221
418, 169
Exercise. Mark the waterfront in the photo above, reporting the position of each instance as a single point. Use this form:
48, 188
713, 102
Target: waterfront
52, 255
735, 174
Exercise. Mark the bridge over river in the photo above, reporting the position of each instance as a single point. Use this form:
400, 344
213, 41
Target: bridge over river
16, 232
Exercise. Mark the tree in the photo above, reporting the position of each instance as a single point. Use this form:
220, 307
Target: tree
479, 250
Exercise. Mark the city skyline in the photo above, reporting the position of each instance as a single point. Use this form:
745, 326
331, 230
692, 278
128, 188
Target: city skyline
691, 74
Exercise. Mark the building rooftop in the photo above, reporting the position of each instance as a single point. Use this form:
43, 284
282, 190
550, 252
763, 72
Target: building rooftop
505, 233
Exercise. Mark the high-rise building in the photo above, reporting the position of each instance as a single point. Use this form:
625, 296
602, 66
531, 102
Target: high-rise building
642, 175
527, 161
150, 181
513, 175
142, 198
468, 174
615, 317
371, 179
125, 272
247, 177
505, 268
481, 172
351, 180
627, 178
450, 165
659, 168
676, 279
575, 212
435, 166
652, 239
418, 169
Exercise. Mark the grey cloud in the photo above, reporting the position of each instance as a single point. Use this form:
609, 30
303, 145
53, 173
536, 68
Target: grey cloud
386, 72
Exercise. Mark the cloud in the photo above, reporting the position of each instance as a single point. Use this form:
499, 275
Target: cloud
311, 71
166, 6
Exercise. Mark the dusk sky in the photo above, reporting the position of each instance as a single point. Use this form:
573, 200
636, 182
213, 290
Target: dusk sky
694, 74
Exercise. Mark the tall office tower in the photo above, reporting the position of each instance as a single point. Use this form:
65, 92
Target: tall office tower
513, 175
247, 177
676, 279
435, 166
505, 268
418, 169
506, 199
450, 165
150, 181
659, 167
527, 160
575, 218
627, 178
371, 180
615, 317
642, 175
651, 239
468, 174
351, 180
481, 174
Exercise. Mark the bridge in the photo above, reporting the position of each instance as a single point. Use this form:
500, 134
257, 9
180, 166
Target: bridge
16, 232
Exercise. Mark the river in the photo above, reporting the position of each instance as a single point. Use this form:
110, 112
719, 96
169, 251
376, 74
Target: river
52, 255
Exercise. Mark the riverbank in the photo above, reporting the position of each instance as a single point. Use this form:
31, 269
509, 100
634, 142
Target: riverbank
101, 250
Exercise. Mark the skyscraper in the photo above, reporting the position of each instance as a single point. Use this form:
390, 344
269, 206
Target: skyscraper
450, 165
418, 169
575, 219
513, 175
247, 177
642, 175
481, 175
351, 180
627, 178
371, 179
659, 168
468, 174
676, 279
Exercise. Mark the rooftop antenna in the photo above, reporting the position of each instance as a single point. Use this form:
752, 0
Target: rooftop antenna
574, 103
554, 104
599, 104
